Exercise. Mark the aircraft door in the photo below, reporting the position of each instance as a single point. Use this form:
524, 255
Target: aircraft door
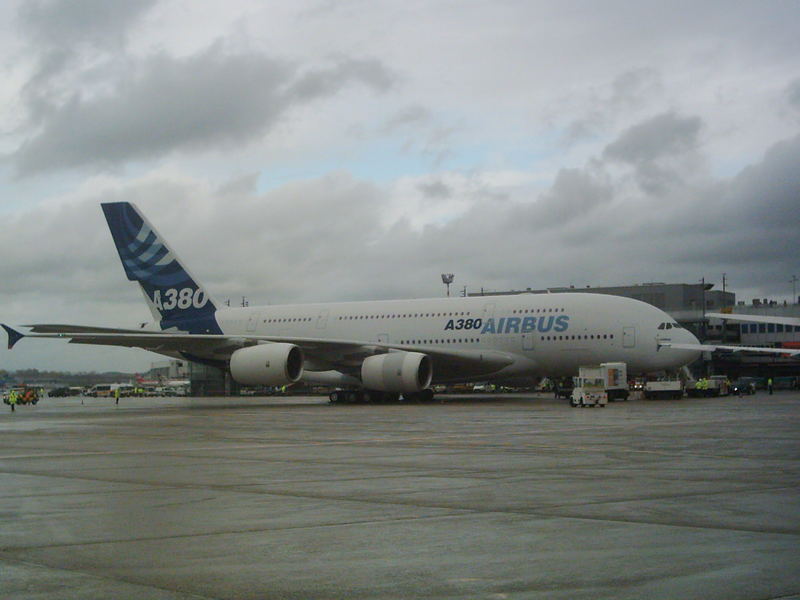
629, 337
322, 319
527, 341
252, 323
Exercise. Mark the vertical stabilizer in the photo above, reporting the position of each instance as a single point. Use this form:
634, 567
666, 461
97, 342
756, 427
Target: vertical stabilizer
171, 291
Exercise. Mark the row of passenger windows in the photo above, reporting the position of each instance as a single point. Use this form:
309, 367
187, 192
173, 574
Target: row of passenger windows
414, 315
595, 336
297, 320
768, 328
452, 341
405, 316
547, 338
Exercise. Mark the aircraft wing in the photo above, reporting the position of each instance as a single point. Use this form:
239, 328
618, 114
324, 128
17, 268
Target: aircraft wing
712, 347
792, 321
321, 354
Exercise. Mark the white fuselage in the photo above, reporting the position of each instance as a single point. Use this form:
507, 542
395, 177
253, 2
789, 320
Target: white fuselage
547, 334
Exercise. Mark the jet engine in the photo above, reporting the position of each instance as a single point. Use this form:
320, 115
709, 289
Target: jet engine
267, 364
398, 372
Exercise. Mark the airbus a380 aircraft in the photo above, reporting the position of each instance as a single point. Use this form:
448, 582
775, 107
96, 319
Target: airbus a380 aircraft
382, 347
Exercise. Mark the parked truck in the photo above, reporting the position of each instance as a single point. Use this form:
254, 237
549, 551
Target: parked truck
25, 394
612, 375
716, 385
589, 390
598, 385
664, 388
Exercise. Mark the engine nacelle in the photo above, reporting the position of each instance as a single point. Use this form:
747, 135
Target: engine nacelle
267, 364
398, 372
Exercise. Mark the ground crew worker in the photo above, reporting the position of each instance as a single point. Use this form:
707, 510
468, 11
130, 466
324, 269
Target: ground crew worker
769, 385
116, 396
12, 399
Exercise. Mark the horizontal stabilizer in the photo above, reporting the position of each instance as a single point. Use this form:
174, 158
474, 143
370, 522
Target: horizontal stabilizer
13, 336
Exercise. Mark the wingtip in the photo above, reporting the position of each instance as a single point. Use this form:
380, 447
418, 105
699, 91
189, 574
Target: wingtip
13, 335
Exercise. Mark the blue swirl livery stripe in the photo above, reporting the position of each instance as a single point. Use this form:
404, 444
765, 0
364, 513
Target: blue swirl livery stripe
147, 260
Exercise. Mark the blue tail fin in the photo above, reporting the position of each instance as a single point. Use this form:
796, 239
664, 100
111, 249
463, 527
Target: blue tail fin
171, 292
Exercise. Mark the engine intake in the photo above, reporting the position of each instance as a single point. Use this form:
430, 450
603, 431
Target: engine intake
399, 372
267, 364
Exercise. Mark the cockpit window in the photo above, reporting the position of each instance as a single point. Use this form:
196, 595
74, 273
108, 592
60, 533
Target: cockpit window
662, 325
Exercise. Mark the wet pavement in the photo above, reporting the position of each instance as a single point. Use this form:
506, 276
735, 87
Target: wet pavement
493, 497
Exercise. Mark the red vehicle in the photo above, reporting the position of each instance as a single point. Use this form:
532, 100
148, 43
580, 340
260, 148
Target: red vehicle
25, 395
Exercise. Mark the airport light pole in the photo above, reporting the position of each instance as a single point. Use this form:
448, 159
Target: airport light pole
447, 279
703, 322
793, 281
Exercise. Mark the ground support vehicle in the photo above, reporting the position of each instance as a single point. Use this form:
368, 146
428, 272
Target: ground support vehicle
716, 385
59, 392
563, 388
614, 377
108, 390
744, 386
25, 395
589, 390
663, 389
100, 390
723, 384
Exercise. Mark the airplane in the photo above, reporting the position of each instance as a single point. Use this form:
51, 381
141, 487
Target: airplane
375, 349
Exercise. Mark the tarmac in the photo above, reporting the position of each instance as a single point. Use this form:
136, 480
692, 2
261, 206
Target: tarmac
507, 496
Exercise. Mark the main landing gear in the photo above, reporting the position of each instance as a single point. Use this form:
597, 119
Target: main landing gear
376, 397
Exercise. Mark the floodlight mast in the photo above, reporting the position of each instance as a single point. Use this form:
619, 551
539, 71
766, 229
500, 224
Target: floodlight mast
447, 279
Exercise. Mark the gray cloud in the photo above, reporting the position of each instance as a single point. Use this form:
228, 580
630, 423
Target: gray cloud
575, 193
69, 37
409, 116
663, 135
793, 93
627, 92
659, 149
435, 189
65, 23
319, 82
172, 104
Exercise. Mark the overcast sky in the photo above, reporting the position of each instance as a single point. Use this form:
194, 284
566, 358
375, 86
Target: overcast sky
354, 150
